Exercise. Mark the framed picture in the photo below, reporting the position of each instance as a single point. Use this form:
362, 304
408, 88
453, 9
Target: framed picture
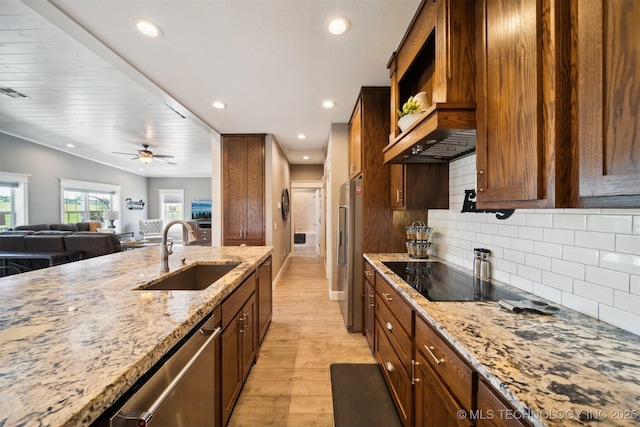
201, 209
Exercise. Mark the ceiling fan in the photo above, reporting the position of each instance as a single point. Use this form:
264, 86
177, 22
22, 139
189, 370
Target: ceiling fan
146, 156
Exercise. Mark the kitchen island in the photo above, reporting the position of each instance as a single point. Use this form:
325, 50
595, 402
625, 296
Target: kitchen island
560, 369
75, 337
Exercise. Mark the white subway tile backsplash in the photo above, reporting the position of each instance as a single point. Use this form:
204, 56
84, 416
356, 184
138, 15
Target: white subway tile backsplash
558, 281
590, 239
627, 302
581, 255
628, 243
593, 292
621, 262
568, 268
580, 304
610, 223
538, 261
563, 237
610, 278
553, 250
570, 222
620, 318
585, 259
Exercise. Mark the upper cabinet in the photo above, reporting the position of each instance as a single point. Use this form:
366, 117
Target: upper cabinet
243, 190
557, 93
436, 56
608, 101
355, 142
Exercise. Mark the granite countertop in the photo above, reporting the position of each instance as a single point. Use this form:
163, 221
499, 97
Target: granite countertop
75, 337
564, 368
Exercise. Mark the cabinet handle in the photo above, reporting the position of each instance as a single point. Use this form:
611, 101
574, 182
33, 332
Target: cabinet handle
368, 273
242, 324
387, 297
389, 367
429, 350
371, 304
389, 326
267, 263
414, 379
399, 196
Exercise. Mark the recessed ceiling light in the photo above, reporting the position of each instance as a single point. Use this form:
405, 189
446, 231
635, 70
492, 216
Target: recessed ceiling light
328, 104
219, 105
149, 29
70, 145
339, 25
302, 136
305, 157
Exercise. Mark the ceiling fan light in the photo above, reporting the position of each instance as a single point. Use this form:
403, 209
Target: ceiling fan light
146, 159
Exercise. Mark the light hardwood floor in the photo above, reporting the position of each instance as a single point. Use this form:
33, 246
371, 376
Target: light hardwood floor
290, 383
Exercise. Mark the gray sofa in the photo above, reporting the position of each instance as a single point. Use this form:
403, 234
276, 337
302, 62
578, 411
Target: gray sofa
87, 244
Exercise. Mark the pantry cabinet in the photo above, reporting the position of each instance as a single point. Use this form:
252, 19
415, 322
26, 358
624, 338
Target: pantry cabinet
243, 190
607, 91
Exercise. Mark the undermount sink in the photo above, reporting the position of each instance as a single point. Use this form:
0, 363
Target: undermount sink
194, 278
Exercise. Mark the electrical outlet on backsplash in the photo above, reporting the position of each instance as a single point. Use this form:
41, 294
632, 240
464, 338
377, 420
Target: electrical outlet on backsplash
585, 259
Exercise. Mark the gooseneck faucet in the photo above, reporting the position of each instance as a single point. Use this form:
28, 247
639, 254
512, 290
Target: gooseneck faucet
167, 249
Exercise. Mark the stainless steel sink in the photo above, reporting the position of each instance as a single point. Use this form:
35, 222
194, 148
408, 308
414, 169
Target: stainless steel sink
195, 278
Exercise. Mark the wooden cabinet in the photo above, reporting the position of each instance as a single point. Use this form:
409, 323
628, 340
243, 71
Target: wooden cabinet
239, 342
607, 61
436, 56
202, 230
265, 298
369, 126
243, 190
419, 186
494, 411
393, 345
355, 142
524, 150
369, 304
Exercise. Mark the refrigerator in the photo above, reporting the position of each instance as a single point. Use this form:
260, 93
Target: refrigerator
349, 255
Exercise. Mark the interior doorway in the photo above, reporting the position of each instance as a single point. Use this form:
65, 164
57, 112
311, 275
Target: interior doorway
308, 234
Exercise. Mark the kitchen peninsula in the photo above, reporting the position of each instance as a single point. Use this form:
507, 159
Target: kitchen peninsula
561, 369
75, 337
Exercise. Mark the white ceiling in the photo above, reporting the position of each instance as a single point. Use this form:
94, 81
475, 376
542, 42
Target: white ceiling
93, 81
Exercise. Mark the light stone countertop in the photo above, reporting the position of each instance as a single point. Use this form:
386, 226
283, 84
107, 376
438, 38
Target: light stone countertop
560, 368
75, 337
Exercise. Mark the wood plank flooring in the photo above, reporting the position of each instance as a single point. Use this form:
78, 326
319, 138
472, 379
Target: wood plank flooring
290, 383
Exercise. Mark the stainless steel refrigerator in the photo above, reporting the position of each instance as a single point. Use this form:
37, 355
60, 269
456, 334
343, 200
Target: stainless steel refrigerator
349, 254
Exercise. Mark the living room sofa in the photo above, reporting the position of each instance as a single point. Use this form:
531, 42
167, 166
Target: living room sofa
87, 244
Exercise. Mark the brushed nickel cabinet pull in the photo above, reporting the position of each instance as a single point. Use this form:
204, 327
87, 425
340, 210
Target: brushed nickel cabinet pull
389, 326
387, 297
429, 350
371, 304
368, 273
389, 366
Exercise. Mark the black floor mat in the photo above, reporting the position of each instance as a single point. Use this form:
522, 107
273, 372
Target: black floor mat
361, 397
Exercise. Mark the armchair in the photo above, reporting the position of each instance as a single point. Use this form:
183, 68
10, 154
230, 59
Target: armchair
151, 230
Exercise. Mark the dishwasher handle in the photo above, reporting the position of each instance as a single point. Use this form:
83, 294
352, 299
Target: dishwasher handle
145, 416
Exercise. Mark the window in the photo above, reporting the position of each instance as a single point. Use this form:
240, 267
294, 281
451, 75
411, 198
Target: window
171, 204
13, 200
87, 201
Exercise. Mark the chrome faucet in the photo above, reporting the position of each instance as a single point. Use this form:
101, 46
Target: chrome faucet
167, 249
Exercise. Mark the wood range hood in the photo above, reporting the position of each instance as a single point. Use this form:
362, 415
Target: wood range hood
443, 133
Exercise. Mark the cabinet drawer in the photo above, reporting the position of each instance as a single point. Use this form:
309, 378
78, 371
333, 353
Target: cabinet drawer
398, 337
234, 302
446, 362
369, 273
397, 379
395, 303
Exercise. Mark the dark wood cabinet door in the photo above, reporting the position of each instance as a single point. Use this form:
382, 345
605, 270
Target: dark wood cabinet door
523, 145
248, 335
265, 298
234, 179
434, 405
608, 94
369, 313
492, 411
355, 142
254, 190
231, 378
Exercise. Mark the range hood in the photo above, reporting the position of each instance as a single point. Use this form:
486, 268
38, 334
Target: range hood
443, 133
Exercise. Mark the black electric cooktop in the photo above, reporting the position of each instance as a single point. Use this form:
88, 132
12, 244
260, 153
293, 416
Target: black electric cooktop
439, 282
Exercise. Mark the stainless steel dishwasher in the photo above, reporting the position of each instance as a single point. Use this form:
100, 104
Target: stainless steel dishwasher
182, 391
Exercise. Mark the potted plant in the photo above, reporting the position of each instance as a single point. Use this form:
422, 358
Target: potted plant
411, 110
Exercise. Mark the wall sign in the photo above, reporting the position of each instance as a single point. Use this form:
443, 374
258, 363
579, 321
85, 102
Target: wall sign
134, 205
469, 205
